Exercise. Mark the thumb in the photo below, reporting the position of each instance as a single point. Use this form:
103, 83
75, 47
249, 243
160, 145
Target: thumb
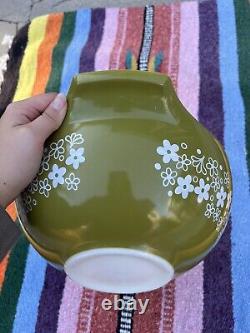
51, 118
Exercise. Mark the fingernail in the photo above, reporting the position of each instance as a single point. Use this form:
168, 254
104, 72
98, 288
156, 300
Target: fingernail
59, 102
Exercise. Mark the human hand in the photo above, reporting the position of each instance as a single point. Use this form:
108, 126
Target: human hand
24, 127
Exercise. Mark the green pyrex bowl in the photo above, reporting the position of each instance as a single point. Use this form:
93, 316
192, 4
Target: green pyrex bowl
132, 190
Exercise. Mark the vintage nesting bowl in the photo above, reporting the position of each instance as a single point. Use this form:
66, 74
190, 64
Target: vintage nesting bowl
132, 190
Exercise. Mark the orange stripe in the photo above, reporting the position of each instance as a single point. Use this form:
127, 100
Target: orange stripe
11, 210
3, 266
44, 58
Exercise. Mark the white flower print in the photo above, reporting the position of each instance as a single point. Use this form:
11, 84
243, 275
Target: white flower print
226, 179
33, 187
45, 162
168, 177
212, 166
202, 191
215, 185
74, 139
76, 157
209, 210
209, 182
216, 214
199, 164
220, 224
44, 187
183, 162
57, 149
56, 175
168, 151
229, 200
184, 186
72, 182
27, 202
221, 196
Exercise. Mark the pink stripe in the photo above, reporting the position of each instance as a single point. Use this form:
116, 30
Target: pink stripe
189, 286
110, 28
174, 44
117, 52
68, 313
163, 310
86, 311
167, 308
188, 80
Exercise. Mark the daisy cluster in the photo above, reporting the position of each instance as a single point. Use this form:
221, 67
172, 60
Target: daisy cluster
61, 172
202, 177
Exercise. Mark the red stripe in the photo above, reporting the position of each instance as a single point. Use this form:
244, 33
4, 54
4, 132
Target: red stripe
149, 321
122, 19
103, 321
175, 45
167, 308
134, 34
161, 38
86, 311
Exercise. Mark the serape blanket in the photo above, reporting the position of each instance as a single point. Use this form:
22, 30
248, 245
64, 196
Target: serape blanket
204, 47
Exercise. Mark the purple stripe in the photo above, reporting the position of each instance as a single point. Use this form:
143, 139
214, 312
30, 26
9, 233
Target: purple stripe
87, 60
50, 301
217, 265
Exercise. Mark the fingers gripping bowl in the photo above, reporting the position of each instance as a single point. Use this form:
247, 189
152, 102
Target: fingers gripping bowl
132, 190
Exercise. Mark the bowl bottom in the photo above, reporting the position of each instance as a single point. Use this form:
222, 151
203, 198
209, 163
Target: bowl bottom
119, 270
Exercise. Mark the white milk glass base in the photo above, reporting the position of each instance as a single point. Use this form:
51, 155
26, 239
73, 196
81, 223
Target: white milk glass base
119, 270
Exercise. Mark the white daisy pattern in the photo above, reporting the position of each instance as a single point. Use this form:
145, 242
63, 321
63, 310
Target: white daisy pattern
44, 187
201, 178
202, 190
184, 186
168, 151
57, 149
54, 171
76, 157
226, 179
221, 196
216, 214
183, 162
229, 199
45, 162
27, 202
72, 182
57, 175
215, 184
33, 187
212, 166
209, 210
168, 177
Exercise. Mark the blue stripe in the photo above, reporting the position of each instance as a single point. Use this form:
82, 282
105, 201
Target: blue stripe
235, 144
28, 302
73, 53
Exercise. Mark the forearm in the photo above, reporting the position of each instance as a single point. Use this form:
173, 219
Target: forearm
5, 197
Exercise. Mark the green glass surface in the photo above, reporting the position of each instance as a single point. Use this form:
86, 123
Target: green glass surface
121, 201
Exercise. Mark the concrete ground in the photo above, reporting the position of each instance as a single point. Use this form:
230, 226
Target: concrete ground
15, 13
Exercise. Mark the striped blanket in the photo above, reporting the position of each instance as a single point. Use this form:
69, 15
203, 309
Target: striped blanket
204, 47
